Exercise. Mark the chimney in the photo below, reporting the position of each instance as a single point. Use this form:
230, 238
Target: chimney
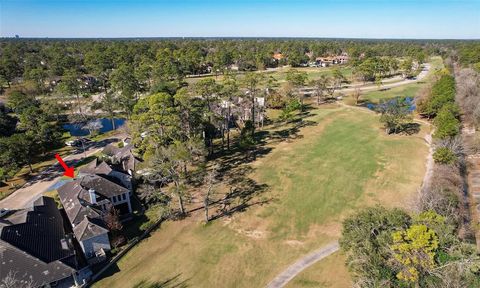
93, 197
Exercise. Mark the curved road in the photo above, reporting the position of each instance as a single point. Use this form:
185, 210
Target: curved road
386, 84
304, 262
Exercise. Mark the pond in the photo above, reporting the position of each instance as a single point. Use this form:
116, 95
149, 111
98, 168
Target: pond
408, 101
77, 129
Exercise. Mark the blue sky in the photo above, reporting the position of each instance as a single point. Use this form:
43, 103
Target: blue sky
247, 18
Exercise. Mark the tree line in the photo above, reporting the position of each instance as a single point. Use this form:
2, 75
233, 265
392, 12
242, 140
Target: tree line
434, 244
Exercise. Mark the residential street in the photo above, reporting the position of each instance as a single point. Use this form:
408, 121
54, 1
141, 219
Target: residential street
24, 196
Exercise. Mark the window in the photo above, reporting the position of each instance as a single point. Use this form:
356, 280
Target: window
124, 196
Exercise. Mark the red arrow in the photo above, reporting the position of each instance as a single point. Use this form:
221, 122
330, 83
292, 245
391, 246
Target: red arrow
69, 171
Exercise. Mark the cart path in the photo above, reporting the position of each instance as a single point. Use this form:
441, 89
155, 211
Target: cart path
386, 83
293, 270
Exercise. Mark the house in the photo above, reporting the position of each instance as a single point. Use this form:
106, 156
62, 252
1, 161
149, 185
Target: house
36, 247
87, 82
278, 56
342, 58
122, 157
325, 61
101, 168
332, 60
87, 200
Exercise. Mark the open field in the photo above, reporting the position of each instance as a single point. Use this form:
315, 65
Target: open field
308, 180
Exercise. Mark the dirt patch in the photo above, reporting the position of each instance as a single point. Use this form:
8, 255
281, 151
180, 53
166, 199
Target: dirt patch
294, 243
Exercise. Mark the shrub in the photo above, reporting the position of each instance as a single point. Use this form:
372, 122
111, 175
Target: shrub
291, 106
414, 251
444, 155
447, 124
442, 93
396, 114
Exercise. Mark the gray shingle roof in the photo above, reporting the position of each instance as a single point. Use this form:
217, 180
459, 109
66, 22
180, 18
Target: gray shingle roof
124, 155
88, 228
76, 202
102, 186
96, 167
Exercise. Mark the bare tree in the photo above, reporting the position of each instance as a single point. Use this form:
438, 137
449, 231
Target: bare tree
112, 220
11, 281
455, 144
210, 182
93, 126
468, 93
356, 95
320, 87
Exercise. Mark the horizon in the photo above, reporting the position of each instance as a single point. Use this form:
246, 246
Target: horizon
347, 19
232, 38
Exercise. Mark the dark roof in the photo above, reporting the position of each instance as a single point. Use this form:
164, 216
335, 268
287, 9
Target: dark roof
95, 167
102, 186
89, 228
112, 149
123, 155
76, 202
26, 267
38, 230
34, 244
104, 170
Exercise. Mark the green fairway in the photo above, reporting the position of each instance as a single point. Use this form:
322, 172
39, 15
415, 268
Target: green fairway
331, 168
409, 90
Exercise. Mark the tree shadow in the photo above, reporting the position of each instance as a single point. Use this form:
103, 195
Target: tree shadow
234, 172
408, 129
112, 270
174, 282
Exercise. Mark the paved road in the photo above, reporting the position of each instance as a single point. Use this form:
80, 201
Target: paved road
386, 84
35, 187
304, 262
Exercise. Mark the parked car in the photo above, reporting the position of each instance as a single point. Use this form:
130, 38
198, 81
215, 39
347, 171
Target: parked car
71, 143
78, 142
3, 211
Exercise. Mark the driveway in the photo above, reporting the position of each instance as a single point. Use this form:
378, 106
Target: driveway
35, 187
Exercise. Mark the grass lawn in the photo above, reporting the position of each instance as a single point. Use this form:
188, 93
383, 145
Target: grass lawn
312, 178
375, 96
330, 272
